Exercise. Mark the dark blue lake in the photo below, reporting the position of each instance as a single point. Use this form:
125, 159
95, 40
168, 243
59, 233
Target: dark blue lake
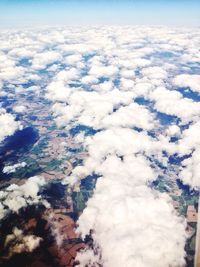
21, 141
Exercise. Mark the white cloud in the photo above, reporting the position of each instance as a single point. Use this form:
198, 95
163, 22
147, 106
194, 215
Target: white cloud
123, 206
154, 73
132, 227
8, 125
127, 84
124, 211
94, 77
73, 60
189, 139
89, 108
189, 143
101, 70
15, 197
58, 89
13, 168
8, 69
172, 103
17, 242
173, 130
40, 61
132, 115
191, 169
188, 80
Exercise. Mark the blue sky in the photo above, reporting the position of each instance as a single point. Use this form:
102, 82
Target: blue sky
30, 13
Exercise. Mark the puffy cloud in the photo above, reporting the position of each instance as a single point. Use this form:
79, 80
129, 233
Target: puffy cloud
127, 84
132, 115
105, 86
188, 80
189, 144
13, 168
89, 258
191, 169
189, 139
172, 103
73, 60
40, 61
58, 89
101, 70
8, 125
15, 197
90, 108
89, 79
124, 211
123, 206
18, 242
9, 71
154, 73
173, 130
94, 77
132, 227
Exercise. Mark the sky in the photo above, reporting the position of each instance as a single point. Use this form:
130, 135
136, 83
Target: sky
31, 13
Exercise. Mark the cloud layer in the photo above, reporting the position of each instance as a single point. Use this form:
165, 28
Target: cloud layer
130, 87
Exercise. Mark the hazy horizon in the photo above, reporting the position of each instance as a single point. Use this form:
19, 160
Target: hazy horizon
34, 13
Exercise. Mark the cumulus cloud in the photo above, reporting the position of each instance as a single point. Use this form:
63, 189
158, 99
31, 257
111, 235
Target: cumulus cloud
90, 108
17, 242
188, 80
9, 70
154, 73
173, 130
124, 212
132, 115
172, 103
189, 139
116, 80
101, 70
191, 170
8, 124
132, 227
58, 89
13, 168
120, 86
189, 144
74, 60
123, 206
15, 197
40, 61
